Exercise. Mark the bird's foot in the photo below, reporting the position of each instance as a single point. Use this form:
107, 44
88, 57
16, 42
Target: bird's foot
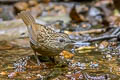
38, 61
59, 61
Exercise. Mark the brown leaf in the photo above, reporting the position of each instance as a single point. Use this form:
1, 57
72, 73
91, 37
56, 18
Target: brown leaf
67, 54
75, 16
116, 4
3, 73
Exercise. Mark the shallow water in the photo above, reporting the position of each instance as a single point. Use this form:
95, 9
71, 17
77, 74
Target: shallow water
20, 64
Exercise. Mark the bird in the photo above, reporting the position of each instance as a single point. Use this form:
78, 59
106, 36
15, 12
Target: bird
43, 40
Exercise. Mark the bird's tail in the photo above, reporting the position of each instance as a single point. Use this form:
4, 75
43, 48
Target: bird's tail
27, 18
30, 23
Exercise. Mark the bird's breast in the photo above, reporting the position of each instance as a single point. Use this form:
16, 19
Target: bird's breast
46, 50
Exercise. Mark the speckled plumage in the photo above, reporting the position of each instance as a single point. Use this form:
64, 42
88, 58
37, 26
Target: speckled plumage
43, 39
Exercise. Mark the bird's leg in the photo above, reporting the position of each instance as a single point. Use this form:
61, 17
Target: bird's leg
36, 57
52, 59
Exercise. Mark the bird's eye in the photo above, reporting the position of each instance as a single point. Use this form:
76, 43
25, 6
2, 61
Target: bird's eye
61, 40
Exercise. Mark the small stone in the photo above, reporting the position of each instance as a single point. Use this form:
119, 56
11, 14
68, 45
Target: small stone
94, 11
108, 56
39, 75
69, 72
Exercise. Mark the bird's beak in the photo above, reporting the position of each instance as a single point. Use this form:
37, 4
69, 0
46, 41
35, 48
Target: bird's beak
71, 41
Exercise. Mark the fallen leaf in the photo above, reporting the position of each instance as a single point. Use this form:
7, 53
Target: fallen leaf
67, 54
3, 73
75, 16
116, 4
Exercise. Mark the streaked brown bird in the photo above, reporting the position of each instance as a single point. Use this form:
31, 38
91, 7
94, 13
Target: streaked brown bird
43, 39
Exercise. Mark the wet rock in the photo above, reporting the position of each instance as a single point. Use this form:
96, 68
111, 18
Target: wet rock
54, 10
94, 11
36, 11
95, 16
62, 17
6, 12
14, 29
57, 26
